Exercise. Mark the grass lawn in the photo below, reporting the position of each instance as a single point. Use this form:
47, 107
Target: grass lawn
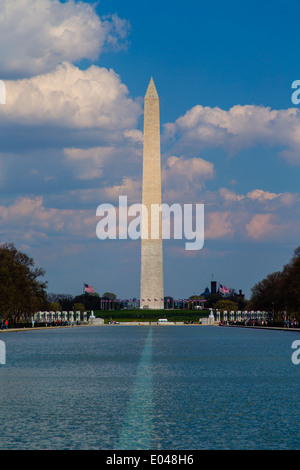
151, 315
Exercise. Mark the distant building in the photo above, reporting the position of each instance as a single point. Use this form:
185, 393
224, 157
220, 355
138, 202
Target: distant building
213, 287
206, 292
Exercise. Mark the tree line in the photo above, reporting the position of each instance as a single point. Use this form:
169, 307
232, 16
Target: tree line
23, 291
279, 292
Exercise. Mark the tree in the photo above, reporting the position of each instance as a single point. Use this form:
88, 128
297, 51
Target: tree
212, 299
109, 296
65, 300
168, 302
226, 305
21, 291
90, 301
267, 294
194, 298
78, 307
280, 291
55, 306
291, 285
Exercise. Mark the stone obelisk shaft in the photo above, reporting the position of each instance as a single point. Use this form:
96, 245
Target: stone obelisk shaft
152, 290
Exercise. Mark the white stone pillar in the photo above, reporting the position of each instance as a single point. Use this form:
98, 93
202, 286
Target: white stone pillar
152, 290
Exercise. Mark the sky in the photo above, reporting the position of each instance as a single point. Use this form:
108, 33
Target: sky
71, 135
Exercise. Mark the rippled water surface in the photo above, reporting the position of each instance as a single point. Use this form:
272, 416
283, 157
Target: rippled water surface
158, 388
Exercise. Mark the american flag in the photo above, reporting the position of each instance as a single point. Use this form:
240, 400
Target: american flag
88, 288
223, 289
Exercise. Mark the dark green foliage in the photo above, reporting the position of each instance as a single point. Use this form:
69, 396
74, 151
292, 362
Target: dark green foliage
279, 291
21, 291
89, 301
178, 315
109, 296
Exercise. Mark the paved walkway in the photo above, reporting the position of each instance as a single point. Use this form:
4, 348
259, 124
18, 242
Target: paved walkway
281, 328
8, 330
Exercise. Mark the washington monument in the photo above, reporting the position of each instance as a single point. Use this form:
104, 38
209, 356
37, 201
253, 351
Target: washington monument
152, 289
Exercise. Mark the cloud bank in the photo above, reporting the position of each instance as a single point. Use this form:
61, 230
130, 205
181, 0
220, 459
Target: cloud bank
69, 97
47, 32
238, 128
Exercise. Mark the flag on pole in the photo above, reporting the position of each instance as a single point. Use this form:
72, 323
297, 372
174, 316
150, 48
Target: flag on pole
223, 289
88, 288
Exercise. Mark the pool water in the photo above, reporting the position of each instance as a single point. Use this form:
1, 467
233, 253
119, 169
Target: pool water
149, 388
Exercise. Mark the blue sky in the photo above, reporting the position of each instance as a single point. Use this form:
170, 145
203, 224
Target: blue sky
76, 73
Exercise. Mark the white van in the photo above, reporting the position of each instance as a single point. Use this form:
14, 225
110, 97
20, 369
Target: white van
162, 320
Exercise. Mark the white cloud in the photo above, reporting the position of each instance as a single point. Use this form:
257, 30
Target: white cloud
129, 187
238, 128
89, 163
37, 35
109, 194
29, 219
265, 198
259, 194
117, 31
265, 226
185, 177
71, 98
230, 196
218, 225
134, 135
